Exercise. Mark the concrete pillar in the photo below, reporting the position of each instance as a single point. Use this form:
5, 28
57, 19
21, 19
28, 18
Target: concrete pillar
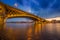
1, 19
1, 26
38, 29
1, 22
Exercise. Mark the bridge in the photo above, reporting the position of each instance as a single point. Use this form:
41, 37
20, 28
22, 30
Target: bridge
10, 12
7, 12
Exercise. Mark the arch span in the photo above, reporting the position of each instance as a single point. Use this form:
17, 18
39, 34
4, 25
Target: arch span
11, 12
21, 16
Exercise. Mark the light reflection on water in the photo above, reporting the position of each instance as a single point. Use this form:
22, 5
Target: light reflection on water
51, 31
27, 31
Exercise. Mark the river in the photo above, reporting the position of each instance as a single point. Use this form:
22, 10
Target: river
26, 31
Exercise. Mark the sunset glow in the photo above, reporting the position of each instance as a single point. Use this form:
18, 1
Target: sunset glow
57, 18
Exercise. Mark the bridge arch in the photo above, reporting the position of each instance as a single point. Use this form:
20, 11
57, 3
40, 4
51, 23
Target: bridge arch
10, 12
21, 16
13, 12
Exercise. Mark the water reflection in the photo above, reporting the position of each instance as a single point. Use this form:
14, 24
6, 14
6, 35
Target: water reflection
51, 31
27, 31
18, 31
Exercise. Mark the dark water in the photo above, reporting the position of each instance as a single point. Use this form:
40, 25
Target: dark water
27, 31
51, 31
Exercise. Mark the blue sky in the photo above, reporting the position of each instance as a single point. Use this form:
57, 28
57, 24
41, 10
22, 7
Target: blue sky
41, 8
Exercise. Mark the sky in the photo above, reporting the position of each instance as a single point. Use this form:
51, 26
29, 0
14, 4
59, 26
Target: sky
41, 8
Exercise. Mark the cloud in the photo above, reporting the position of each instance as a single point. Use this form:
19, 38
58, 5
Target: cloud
41, 8
35, 1
16, 5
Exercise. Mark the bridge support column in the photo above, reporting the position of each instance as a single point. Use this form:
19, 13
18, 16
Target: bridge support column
1, 26
1, 19
1, 22
38, 28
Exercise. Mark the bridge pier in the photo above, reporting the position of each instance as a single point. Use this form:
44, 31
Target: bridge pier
1, 19
38, 29
1, 22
